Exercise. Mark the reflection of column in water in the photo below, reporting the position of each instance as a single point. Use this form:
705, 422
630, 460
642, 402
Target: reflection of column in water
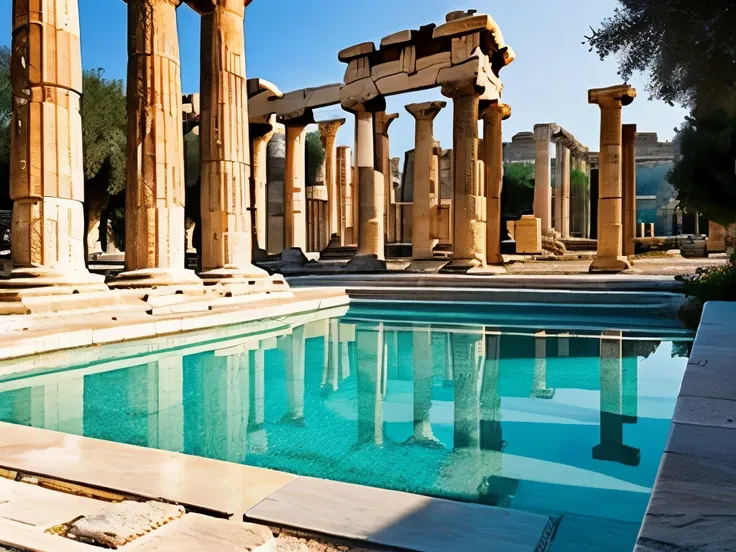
449, 359
294, 355
370, 357
611, 447
165, 406
59, 406
225, 403
467, 355
630, 382
563, 345
347, 335
330, 376
422, 353
539, 386
491, 437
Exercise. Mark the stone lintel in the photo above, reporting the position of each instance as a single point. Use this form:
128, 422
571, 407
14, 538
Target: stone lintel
567, 139
459, 14
356, 51
358, 92
257, 86
295, 103
425, 110
613, 96
395, 39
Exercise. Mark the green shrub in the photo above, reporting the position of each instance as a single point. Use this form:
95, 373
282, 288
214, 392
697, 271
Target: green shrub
707, 284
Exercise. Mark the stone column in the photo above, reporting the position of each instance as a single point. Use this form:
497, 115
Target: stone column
469, 217
421, 235
154, 195
225, 147
610, 244
260, 134
371, 239
46, 162
493, 116
329, 129
295, 195
628, 162
611, 447
382, 163
543, 177
562, 191
344, 173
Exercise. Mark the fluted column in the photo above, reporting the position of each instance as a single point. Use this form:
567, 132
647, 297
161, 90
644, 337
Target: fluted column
295, 194
610, 216
225, 147
382, 164
154, 195
493, 117
562, 191
421, 233
628, 177
260, 135
46, 161
543, 177
469, 217
371, 240
345, 186
329, 129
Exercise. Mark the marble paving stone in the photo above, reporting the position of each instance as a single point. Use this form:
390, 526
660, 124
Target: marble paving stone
713, 378
401, 520
24, 537
39, 507
221, 487
705, 411
689, 533
703, 442
198, 532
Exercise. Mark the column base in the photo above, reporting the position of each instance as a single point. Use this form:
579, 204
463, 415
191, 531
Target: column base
154, 277
461, 266
26, 282
365, 263
609, 265
617, 452
293, 256
427, 266
488, 269
242, 278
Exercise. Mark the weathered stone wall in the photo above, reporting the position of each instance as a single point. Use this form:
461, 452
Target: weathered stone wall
521, 149
648, 147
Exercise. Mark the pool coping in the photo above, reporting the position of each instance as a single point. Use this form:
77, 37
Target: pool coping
693, 503
232, 491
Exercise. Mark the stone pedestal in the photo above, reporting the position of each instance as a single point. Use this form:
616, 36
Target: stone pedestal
260, 134
716, 237
610, 211
493, 117
469, 217
528, 235
382, 164
329, 129
154, 196
628, 169
421, 236
295, 197
46, 161
562, 191
543, 177
371, 185
225, 148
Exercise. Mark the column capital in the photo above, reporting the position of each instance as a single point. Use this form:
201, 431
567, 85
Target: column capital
329, 129
460, 88
175, 3
494, 110
207, 6
628, 132
612, 97
383, 121
425, 111
300, 118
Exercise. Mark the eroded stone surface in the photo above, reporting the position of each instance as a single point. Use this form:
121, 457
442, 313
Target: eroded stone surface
119, 524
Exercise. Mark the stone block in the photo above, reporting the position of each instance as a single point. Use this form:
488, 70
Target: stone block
463, 47
386, 69
409, 59
528, 235
402, 37
352, 52
357, 69
443, 58
358, 92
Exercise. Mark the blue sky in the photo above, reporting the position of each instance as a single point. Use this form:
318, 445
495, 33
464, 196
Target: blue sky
294, 44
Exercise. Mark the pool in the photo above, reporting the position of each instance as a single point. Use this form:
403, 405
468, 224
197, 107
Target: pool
565, 415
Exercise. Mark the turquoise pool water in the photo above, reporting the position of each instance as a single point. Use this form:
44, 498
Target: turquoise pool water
561, 416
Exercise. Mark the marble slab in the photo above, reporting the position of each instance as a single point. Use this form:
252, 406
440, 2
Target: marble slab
25, 537
402, 520
208, 485
38, 507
